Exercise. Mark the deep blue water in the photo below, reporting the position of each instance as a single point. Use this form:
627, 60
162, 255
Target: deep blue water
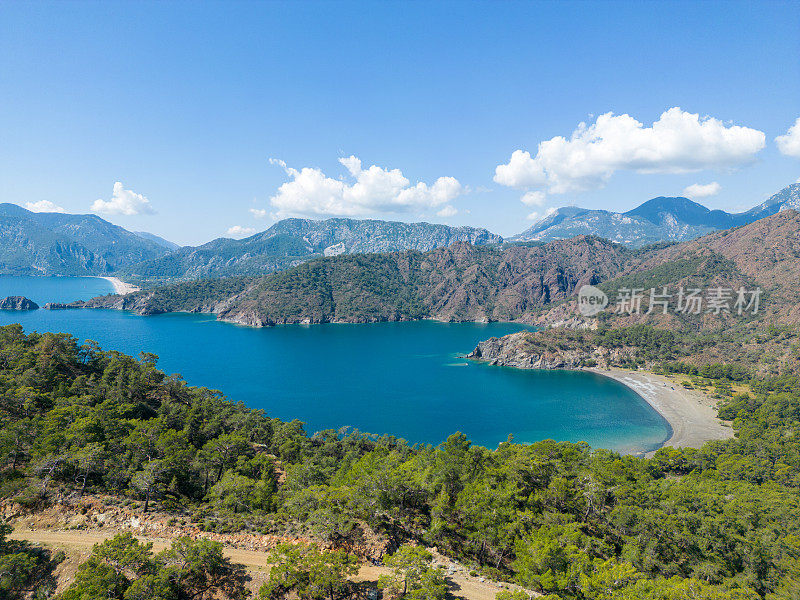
400, 378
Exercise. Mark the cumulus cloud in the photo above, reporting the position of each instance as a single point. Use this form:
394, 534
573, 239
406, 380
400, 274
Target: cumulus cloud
535, 198
123, 202
44, 206
700, 190
678, 142
789, 144
372, 190
448, 211
237, 231
521, 171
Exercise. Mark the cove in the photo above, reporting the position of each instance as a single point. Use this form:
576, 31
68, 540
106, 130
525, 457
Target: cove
405, 379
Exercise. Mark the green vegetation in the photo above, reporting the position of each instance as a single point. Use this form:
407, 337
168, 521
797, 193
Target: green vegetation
413, 576
722, 522
125, 568
693, 270
309, 573
25, 569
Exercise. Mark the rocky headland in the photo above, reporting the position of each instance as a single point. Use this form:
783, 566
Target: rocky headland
17, 303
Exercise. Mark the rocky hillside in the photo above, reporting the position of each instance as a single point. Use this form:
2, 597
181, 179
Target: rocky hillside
536, 284
62, 244
660, 219
293, 241
457, 283
763, 255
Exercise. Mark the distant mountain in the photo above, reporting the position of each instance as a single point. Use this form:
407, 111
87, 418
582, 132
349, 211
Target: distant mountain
62, 244
293, 241
787, 198
456, 283
511, 282
660, 219
157, 239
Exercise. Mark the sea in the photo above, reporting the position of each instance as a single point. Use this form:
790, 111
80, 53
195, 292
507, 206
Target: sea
407, 379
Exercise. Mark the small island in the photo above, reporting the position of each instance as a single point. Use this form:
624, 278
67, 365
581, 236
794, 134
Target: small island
17, 303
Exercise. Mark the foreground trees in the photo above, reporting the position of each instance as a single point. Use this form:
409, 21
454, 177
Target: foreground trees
126, 569
413, 575
307, 572
721, 522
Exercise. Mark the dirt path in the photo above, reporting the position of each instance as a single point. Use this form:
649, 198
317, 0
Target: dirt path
78, 545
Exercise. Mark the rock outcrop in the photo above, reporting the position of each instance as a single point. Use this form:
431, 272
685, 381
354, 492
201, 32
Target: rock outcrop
516, 350
558, 348
63, 305
17, 303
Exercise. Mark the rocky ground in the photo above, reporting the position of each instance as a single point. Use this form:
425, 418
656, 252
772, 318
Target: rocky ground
75, 527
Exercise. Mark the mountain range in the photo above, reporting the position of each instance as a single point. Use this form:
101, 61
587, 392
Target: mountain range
464, 282
62, 244
292, 241
657, 220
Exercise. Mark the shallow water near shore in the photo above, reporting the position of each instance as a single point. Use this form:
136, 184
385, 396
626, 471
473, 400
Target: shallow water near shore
405, 379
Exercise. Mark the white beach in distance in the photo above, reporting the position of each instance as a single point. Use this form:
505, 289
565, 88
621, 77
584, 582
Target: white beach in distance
120, 287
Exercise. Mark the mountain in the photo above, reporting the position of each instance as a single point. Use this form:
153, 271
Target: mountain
787, 198
461, 282
293, 241
660, 219
63, 244
157, 239
533, 284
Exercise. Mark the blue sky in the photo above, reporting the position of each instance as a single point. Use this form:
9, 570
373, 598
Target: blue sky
185, 104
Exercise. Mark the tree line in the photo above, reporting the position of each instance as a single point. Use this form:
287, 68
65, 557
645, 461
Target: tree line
563, 519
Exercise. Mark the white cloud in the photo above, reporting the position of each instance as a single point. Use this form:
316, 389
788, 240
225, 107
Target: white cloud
536, 198
789, 144
699, 190
448, 211
311, 192
535, 216
259, 213
44, 206
237, 231
677, 142
123, 202
521, 171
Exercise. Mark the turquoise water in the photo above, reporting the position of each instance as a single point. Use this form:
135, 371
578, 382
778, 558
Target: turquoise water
54, 289
400, 378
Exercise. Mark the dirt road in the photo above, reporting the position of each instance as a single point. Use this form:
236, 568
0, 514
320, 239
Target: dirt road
78, 544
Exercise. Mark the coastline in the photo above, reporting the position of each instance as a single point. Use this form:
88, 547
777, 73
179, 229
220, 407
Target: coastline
120, 287
691, 414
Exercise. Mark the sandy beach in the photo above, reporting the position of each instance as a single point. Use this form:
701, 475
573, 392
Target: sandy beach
691, 413
120, 287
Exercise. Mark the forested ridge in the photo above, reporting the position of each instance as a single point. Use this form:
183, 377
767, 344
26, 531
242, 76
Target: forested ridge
560, 518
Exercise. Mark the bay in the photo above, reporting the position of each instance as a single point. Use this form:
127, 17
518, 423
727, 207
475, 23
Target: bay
406, 379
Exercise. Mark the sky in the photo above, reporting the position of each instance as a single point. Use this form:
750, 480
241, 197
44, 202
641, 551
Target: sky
200, 120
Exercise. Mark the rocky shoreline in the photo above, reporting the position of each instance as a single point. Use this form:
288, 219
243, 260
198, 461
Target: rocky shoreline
526, 350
